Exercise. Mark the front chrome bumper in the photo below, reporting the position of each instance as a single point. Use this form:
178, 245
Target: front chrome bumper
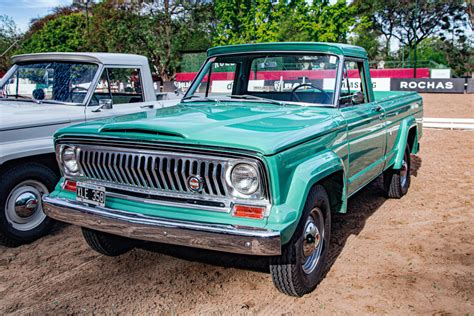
227, 238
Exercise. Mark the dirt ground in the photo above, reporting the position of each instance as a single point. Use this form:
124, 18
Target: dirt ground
409, 256
448, 105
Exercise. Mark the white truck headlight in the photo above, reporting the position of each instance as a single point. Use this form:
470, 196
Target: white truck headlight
244, 178
69, 159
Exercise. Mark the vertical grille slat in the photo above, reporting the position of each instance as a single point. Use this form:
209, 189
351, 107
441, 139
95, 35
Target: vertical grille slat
141, 167
212, 176
151, 171
106, 164
120, 163
155, 166
148, 166
207, 184
127, 168
94, 158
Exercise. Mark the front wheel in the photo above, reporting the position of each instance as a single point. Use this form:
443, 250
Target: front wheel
299, 268
22, 219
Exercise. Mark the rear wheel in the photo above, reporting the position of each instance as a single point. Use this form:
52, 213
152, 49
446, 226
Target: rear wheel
22, 219
397, 181
107, 244
299, 268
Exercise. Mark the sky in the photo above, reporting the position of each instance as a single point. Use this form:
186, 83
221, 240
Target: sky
22, 11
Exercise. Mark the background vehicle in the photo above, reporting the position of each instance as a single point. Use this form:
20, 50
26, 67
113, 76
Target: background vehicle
242, 164
38, 95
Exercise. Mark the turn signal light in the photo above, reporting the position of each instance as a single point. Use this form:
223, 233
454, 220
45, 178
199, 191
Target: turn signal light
69, 185
255, 212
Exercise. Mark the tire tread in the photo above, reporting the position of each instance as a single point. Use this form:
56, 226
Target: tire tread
106, 244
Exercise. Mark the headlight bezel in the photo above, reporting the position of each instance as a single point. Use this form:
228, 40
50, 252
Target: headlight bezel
62, 161
258, 193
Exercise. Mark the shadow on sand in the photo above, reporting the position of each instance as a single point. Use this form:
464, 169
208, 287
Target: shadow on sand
360, 207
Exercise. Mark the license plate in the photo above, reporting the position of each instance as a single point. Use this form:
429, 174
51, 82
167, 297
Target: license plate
89, 193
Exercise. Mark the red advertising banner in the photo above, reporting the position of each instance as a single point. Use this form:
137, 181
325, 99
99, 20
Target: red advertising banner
311, 74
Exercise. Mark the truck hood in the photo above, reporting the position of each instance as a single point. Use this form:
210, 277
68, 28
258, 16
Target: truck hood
21, 114
264, 128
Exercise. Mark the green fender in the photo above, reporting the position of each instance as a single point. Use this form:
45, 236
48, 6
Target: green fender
402, 139
286, 216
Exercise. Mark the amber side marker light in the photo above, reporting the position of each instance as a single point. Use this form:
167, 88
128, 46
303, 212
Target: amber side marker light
255, 212
69, 185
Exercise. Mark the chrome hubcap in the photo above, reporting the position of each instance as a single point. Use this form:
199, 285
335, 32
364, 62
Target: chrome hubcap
23, 207
26, 204
313, 240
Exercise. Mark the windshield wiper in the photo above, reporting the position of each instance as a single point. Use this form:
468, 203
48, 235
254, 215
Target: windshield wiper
253, 97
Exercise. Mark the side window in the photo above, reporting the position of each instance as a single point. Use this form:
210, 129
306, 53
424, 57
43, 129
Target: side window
122, 85
353, 89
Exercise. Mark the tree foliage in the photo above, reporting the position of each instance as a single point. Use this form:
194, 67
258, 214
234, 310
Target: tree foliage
167, 30
159, 30
9, 35
411, 22
246, 21
64, 33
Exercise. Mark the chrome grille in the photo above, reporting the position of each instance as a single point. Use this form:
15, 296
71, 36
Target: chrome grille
157, 171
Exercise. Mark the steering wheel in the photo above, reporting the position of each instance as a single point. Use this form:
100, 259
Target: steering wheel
328, 97
79, 88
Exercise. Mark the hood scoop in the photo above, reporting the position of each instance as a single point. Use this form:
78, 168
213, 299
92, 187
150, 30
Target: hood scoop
148, 130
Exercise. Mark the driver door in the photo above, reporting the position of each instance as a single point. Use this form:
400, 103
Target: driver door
122, 86
366, 126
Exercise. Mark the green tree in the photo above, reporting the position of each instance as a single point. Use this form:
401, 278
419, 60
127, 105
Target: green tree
244, 21
9, 36
365, 36
411, 22
64, 33
160, 31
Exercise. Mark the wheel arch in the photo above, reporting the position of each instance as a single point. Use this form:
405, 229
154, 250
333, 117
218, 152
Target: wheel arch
408, 135
48, 160
326, 169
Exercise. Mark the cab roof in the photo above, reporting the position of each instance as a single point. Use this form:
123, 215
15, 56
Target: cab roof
331, 48
98, 58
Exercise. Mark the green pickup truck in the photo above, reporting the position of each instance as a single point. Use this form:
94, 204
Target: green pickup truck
269, 141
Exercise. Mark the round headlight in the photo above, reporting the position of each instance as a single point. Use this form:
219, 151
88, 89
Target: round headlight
244, 178
69, 159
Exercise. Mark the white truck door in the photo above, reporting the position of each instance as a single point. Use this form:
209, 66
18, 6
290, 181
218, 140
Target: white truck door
119, 92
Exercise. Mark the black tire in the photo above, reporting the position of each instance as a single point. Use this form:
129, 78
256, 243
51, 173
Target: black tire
287, 269
107, 244
12, 234
397, 182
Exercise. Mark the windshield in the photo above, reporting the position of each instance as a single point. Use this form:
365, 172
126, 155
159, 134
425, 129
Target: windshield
281, 77
63, 82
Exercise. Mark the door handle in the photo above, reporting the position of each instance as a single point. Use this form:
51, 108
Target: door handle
149, 106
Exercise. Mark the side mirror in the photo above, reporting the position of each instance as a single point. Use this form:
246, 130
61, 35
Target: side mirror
103, 104
358, 98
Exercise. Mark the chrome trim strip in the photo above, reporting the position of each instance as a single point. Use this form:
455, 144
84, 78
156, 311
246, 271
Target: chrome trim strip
227, 238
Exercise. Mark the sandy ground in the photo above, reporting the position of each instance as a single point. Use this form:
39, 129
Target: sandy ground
448, 105
408, 256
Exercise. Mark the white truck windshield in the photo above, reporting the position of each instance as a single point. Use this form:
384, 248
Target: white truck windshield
63, 82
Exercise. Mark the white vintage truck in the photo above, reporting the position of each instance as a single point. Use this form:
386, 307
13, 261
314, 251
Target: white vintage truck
47, 91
